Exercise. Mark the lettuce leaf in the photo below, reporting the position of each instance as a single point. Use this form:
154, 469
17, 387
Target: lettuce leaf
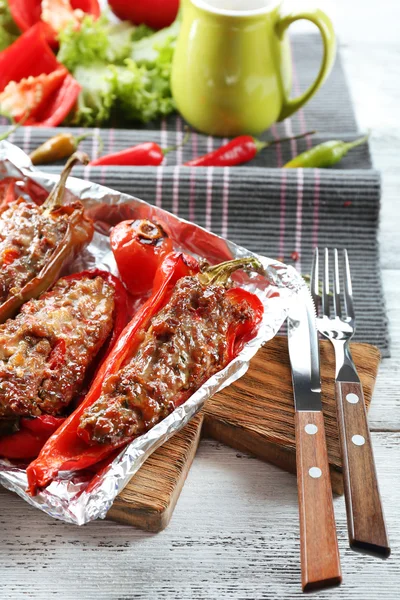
96, 40
97, 97
124, 71
8, 29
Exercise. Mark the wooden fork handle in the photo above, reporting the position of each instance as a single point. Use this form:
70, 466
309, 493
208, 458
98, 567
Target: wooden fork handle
320, 562
365, 519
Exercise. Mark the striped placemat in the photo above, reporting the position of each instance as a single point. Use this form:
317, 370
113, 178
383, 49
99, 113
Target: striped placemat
277, 212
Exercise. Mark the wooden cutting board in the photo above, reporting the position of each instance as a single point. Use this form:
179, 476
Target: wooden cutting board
256, 415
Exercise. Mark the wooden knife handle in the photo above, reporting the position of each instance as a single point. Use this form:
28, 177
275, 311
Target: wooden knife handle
365, 519
320, 561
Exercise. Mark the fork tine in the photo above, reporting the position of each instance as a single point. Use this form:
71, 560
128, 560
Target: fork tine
314, 283
336, 285
325, 295
348, 289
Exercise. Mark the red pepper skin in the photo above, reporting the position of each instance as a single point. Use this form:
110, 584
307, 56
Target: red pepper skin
148, 154
26, 443
243, 332
29, 440
239, 150
58, 106
135, 244
66, 450
29, 55
27, 13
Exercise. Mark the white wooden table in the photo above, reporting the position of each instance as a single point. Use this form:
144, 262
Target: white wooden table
235, 531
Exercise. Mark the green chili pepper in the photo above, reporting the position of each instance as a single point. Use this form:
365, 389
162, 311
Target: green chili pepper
324, 155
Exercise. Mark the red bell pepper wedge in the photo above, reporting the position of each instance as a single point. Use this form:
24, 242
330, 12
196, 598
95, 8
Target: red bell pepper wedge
26, 13
66, 450
58, 105
28, 56
29, 440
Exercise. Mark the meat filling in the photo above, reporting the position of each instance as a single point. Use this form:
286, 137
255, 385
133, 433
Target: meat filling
28, 236
187, 343
46, 350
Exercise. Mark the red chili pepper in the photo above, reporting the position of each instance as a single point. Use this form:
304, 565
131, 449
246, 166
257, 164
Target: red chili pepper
28, 441
26, 13
240, 150
137, 243
67, 448
146, 154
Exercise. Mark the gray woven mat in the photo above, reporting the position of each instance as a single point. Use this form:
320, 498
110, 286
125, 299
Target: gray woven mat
281, 213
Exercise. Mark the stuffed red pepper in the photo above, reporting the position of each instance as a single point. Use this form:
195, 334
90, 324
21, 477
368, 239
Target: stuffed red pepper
191, 327
47, 351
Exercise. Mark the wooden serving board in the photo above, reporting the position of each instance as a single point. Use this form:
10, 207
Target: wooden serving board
256, 415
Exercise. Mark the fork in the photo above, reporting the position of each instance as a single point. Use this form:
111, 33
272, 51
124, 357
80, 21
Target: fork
365, 519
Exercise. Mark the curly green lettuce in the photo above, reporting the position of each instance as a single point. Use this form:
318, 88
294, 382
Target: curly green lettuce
95, 41
124, 71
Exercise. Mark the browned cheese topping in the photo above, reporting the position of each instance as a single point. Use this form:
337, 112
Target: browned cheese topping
184, 346
28, 236
46, 349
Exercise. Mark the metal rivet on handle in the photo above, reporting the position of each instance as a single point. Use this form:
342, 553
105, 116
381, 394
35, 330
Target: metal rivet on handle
358, 440
310, 428
352, 398
315, 472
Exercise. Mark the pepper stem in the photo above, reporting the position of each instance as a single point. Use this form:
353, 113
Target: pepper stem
260, 145
219, 274
358, 142
183, 142
80, 138
55, 198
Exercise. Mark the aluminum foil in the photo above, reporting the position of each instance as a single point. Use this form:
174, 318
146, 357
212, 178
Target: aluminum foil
66, 498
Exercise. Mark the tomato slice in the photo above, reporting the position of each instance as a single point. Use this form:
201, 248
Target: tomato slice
30, 94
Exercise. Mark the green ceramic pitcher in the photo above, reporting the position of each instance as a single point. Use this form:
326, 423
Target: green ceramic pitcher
232, 71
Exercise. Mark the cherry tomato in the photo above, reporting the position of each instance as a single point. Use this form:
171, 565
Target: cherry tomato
139, 247
154, 13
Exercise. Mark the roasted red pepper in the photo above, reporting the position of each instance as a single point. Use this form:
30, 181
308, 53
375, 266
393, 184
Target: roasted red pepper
68, 449
78, 233
240, 150
139, 247
27, 442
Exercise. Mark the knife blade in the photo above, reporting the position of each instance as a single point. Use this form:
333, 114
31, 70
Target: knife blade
320, 561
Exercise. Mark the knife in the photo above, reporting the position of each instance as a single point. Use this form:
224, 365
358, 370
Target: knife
320, 561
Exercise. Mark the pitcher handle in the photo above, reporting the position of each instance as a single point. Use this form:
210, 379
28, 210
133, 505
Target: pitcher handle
324, 24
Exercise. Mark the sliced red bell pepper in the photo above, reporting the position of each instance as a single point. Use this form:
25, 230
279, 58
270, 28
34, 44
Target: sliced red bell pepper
28, 56
33, 433
68, 448
26, 13
42, 86
59, 105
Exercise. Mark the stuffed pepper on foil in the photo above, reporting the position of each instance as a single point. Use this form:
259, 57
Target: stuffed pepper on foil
47, 353
37, 241
194, 323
